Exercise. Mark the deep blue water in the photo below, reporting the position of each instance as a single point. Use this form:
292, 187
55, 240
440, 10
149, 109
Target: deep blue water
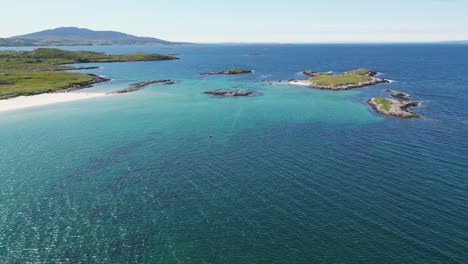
295, 176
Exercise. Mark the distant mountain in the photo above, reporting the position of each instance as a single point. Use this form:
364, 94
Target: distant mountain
81, 36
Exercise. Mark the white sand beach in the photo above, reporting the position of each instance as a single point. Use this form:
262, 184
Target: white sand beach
300, 82
22, 102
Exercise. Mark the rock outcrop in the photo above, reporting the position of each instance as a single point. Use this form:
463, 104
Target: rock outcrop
228, 72
138, 86
230, 93
392, 107
399, 95
96, 79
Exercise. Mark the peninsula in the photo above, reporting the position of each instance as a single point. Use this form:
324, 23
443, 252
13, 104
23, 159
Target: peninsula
349, 80
40, 71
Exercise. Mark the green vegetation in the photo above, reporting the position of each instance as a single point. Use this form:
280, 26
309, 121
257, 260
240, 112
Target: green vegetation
29, 83
39, 71
324, 73
58, 56
360, 71
355, 78
384, 102
338, 80
237, 71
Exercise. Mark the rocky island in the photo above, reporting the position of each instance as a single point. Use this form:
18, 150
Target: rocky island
42, 70
352, 79
225, 93
393, 107
138, 86
232, 71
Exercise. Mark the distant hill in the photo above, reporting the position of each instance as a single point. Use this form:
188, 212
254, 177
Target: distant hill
65, 36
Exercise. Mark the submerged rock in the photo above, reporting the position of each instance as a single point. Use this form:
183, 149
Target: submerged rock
399, 95
314, 73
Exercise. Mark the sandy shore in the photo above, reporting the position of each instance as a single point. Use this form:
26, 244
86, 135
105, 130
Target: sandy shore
300, 82
44, 99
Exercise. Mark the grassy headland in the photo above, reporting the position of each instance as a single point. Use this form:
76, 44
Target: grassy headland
40, 71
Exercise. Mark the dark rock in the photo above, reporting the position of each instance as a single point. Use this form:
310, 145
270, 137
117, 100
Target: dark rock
372, 73
138, 86
410, 104
399, 95
229, 93
83, 85
228, 72
310, 73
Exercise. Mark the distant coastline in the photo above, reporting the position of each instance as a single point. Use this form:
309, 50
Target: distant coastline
42, 70
73, 36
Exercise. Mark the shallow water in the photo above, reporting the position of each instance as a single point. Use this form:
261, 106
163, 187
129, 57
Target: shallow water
294, 176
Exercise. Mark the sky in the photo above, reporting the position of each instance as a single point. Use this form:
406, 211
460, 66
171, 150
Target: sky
213, 21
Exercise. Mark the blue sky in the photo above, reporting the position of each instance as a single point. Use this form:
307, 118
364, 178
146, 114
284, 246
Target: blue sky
292, 21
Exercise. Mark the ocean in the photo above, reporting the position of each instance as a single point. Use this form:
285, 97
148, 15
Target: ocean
297, 175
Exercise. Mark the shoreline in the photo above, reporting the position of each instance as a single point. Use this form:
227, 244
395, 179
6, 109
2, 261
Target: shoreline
310, 84
70, 94
24, 102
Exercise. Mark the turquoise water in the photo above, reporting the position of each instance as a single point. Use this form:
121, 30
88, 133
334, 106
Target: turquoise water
294, 176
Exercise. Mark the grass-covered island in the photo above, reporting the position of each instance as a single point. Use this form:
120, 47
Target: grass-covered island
42, 70
232, 71
392, 107
352, 79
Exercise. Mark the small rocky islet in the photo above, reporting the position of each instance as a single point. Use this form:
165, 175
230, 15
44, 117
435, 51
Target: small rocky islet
398, 106
227, 93
233, 71
394, 107
349, 80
